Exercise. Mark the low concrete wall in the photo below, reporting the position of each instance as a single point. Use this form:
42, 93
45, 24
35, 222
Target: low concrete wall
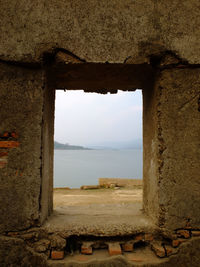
120, 182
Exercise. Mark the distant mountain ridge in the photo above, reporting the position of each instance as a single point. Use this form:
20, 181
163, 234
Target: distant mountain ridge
132, 144
61, 146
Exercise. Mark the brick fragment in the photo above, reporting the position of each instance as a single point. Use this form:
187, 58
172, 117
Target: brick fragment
158, 249
86, 248
177, 242
57, 255
6, 134
195, 233
127, 247
9, 144
183, 233
170, 250
14, 135
114, 249
139, 237
148, 237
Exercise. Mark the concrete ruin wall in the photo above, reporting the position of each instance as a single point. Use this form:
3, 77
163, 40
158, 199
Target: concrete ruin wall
133, 32
171, 148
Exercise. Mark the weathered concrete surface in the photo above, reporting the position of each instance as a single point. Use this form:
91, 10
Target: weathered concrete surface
172, 149
14, 252
103, 212
21, 105
46, 199
100, 31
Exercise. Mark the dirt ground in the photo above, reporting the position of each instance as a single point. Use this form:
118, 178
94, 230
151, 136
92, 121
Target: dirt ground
77, 197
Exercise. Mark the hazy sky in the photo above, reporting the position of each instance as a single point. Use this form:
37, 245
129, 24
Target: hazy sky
95, 119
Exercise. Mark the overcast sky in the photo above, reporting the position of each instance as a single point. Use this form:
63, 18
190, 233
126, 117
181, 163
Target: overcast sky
95, 119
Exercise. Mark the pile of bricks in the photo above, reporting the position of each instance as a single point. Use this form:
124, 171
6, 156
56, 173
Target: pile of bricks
56, 247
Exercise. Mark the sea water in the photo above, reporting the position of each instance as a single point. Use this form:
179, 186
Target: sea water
74, 168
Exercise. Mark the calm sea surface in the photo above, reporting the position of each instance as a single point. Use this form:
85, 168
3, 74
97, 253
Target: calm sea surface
73, 168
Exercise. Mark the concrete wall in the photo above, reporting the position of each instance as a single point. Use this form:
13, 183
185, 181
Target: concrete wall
172, 148
46, 201
114, 31
21, 117
100, 31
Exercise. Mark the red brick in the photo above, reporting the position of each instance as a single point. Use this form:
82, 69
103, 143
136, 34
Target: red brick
114, 249
86, 249
195, 233
57, 255
127, 247
183, 233
9, 144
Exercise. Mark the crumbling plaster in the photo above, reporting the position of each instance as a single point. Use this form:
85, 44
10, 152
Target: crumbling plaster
100, 31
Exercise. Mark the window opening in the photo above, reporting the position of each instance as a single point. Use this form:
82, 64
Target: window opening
98, 136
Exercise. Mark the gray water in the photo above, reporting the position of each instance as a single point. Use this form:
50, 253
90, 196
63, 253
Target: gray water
73, 168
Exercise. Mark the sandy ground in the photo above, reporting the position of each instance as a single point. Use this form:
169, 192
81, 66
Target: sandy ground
77, 197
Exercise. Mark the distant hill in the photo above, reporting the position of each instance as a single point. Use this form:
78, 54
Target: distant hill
132, 144
61, 146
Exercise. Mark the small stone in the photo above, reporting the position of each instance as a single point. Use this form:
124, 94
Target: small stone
183, 233
195, 233
86, 248
114, 249
127, 247
57, 255
158, 249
